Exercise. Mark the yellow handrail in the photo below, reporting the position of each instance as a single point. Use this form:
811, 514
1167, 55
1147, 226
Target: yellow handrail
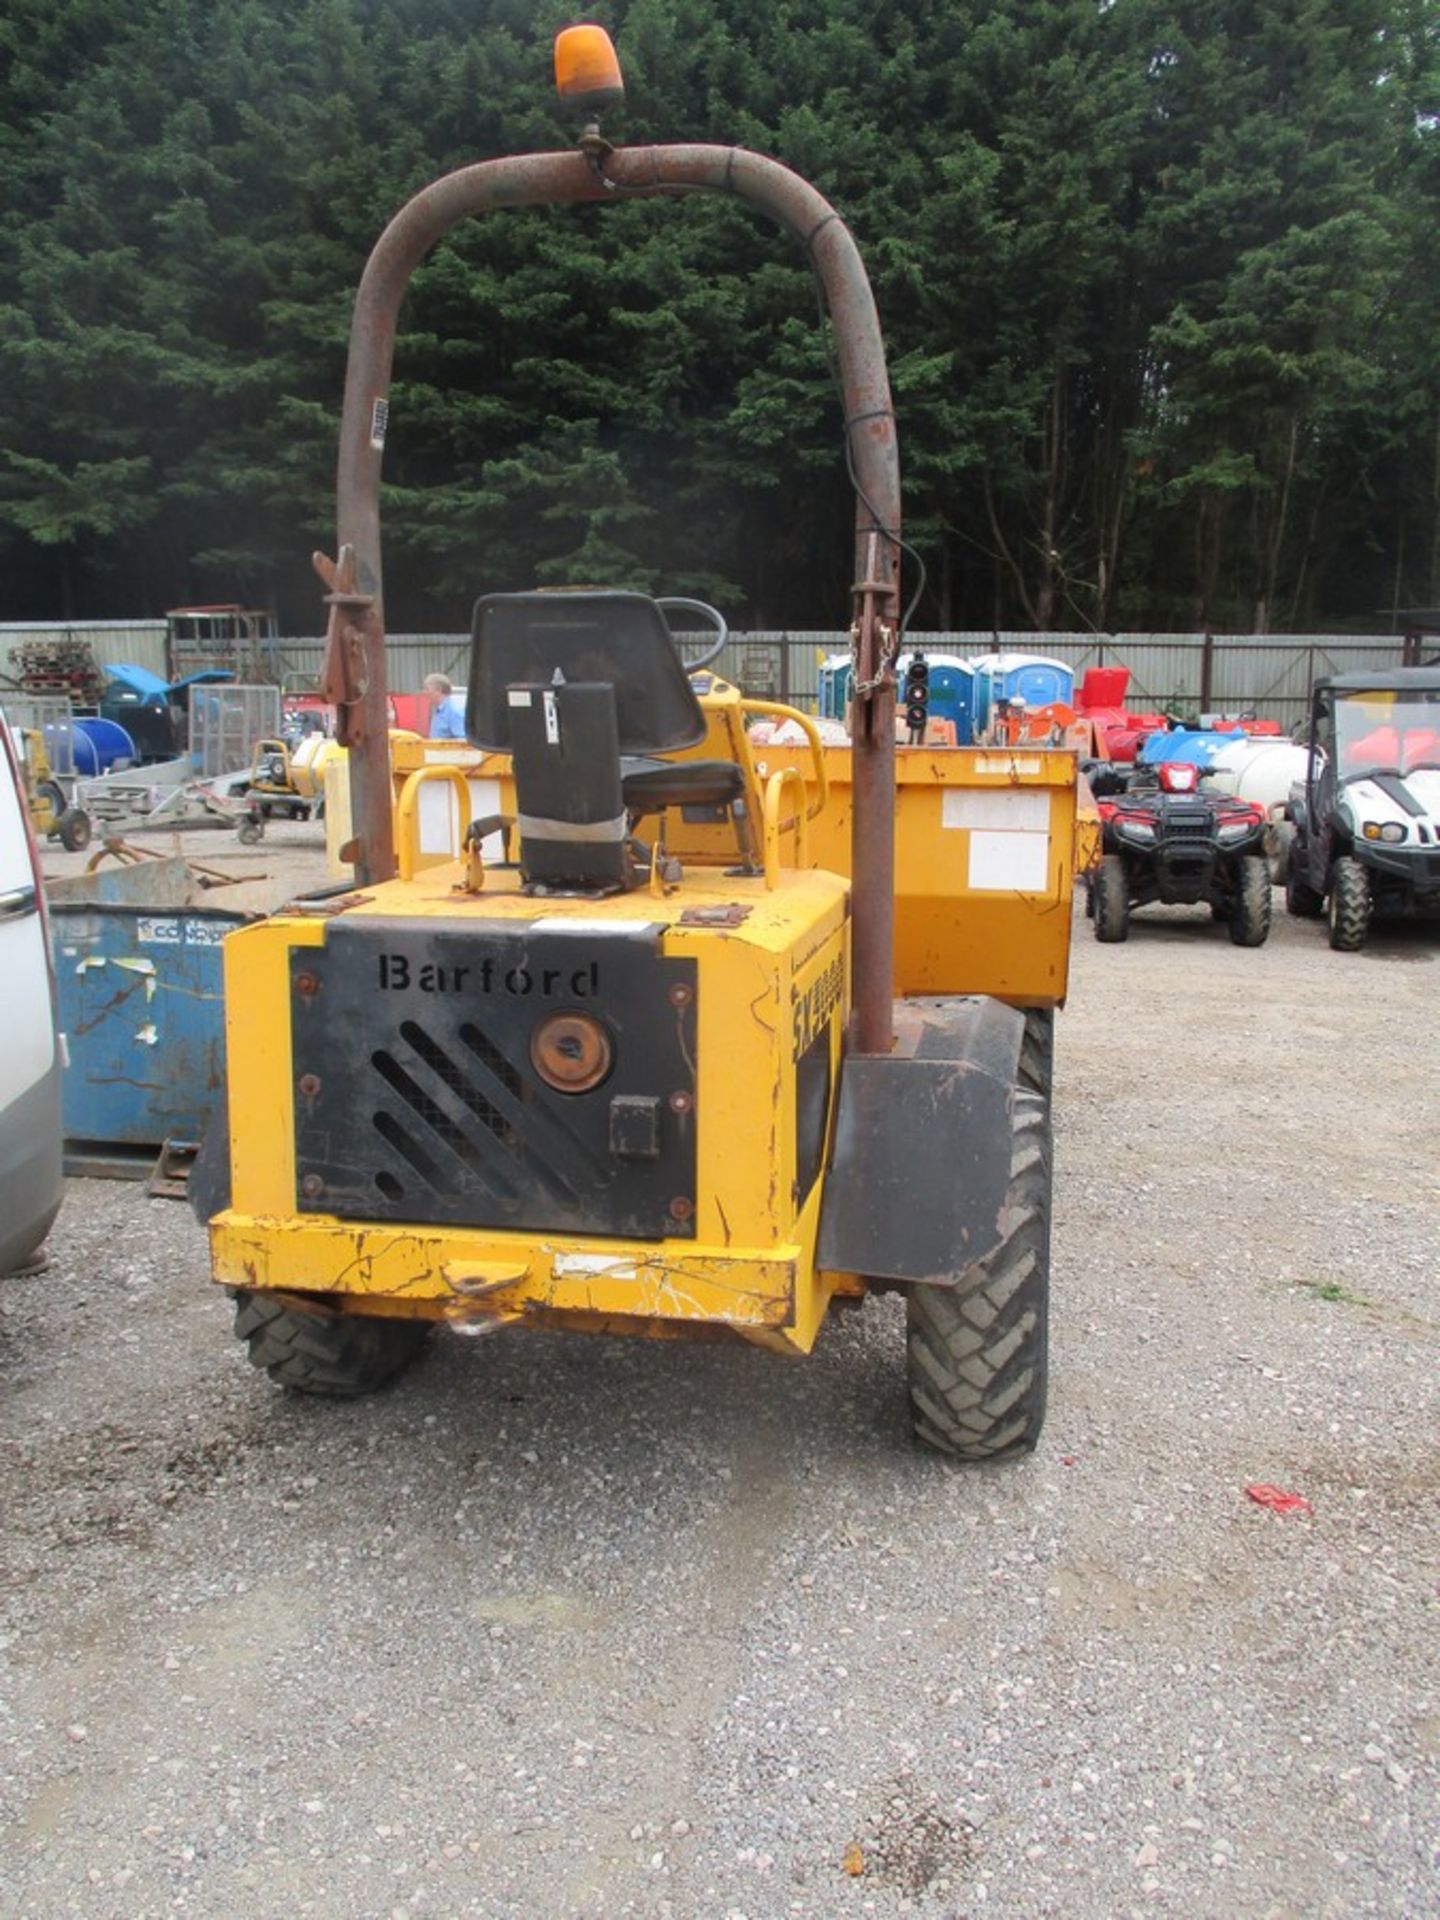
407, 813
812, 735
774, 826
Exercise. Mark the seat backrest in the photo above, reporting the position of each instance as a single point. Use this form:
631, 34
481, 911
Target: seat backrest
619, 639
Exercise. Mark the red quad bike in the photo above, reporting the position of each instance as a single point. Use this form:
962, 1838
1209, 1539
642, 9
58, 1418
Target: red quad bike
1167, 838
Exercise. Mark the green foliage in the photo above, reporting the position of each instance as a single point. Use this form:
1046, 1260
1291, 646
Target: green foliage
1155, 278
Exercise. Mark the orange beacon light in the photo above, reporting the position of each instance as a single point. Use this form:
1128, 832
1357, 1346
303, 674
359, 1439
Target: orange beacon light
587, 70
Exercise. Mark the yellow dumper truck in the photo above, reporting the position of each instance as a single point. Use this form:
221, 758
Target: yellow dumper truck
688, 1037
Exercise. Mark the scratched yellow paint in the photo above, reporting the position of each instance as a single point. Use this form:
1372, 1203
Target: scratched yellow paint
780, 975
766, 988
952, 936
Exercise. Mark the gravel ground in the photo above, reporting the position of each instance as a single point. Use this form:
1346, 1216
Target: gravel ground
570, 1627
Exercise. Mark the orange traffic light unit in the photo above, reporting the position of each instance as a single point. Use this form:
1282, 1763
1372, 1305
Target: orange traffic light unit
587, 69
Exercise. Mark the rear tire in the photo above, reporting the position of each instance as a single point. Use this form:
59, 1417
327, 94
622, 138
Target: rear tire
1037, 1053
53, 796
336, 1356
1111, 894
1349, 905
977, 1353
1302, 902
1250, 917
1279, 844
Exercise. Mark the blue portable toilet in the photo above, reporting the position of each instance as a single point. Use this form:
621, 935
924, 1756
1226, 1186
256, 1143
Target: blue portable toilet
1034, 678
951, 689
833, 686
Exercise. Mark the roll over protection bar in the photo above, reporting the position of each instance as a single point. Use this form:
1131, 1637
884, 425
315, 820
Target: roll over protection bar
354, 672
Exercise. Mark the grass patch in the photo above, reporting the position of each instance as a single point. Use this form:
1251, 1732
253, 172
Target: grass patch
1332, 1290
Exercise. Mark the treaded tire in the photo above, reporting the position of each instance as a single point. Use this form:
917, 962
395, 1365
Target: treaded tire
1037, 1052
1349, 905
1250, 918
1112, 900
73, 827
1302, 902
1279, 848
337, 1356
977, 1354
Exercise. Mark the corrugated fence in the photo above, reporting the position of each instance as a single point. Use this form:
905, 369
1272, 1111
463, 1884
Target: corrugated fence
1270, 674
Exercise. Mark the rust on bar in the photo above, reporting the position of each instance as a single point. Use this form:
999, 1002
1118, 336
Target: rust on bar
355, 657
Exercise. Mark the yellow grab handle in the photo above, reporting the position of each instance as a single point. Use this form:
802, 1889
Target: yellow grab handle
774, 826
407, 813
812, 735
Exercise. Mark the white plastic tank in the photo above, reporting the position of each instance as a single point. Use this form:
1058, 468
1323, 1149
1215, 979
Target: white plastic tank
1260, 769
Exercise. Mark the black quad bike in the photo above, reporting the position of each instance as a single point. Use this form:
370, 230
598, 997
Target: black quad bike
1167, 838
1366, 819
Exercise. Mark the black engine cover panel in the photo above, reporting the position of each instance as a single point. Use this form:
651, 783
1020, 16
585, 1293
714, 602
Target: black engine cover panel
416, 1099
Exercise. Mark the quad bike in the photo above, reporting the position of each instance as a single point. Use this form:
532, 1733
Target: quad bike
1166, 838
1366, 817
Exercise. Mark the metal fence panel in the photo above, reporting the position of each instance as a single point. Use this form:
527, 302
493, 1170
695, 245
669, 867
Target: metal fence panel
1270, 674
131, 643
226, 723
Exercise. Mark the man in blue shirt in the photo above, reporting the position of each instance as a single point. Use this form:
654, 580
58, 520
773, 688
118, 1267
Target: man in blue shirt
446, 721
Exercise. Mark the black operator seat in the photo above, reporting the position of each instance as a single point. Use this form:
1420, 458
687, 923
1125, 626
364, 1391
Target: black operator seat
617, 639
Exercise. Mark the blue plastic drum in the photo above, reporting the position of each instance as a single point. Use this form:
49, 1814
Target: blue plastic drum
100, 747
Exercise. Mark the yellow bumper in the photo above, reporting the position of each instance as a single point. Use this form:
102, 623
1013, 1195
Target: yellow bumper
665, 1288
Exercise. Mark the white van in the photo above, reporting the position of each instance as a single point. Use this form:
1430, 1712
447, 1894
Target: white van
30, 1048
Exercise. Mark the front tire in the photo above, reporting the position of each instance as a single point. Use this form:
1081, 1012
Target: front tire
1111, 895
73, 827
1250, 916
334, 1356
977, 1354
1349, 905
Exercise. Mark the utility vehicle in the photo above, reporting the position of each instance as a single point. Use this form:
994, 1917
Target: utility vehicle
1367, 814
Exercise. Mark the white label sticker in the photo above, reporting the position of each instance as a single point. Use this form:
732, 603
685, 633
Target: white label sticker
1009, 862
552, 719
996, 809
518, 697
379, 422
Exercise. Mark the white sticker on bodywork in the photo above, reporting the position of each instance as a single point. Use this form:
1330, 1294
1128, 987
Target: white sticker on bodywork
1009, 862
996, 809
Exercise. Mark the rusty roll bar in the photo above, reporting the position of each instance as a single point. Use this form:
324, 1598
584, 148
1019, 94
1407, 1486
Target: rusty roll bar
354, 675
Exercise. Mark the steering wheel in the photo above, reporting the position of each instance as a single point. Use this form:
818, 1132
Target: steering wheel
713, 614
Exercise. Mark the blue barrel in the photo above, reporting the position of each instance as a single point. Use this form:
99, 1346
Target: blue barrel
100, 746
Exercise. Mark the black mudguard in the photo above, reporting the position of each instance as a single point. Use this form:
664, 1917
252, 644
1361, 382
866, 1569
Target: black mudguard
921, 1164
208, 1186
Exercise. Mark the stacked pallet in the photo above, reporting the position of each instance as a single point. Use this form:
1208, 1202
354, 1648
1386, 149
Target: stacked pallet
66, 667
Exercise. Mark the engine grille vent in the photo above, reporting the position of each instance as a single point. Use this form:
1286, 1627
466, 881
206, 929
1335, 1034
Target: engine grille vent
420, 1104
